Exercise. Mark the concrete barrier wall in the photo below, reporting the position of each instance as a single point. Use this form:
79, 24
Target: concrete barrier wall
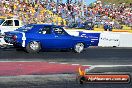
117, 39
109, 39
125, 40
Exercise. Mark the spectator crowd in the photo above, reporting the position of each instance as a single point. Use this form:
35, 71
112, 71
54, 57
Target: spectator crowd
36, 11
25, 11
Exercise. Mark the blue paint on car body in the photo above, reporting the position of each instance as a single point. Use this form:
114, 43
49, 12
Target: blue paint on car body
49, 37
94, 37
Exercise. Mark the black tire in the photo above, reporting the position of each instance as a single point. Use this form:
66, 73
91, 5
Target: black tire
36, 49
79, 47
15, 46
82, 80
18, 48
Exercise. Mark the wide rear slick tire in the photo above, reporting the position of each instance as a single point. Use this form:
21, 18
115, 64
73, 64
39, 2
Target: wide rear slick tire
33, 47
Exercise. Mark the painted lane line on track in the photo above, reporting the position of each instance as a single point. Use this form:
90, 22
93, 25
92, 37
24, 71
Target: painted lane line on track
91, 67
112, 65
87, 65
51, 62
108, 65
72, 64
75, 64
63, 63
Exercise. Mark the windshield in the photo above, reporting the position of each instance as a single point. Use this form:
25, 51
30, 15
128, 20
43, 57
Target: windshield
1, 21
25, 28
59, 31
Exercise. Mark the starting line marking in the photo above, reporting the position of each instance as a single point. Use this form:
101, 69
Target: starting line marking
75, 64
112, 65
51, 62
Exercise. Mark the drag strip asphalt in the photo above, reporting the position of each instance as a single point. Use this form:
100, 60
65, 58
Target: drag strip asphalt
53, 81
96, 57
91, 56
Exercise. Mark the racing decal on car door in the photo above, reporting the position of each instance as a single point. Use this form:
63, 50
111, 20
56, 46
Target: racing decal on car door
23, 39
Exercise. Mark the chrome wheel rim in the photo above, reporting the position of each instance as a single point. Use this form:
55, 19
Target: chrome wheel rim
34, 45
79, 47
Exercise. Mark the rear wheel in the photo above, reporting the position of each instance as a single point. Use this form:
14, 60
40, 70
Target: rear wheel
79, 47
33, 47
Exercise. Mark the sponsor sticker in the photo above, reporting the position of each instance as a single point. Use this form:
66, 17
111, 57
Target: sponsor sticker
107, 78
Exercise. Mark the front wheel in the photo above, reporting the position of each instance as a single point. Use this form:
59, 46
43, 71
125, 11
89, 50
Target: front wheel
33, 47
79, 47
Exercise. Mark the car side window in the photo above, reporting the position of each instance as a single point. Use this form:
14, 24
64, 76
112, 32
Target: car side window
59, 31
45, 30
8, 23
16, 22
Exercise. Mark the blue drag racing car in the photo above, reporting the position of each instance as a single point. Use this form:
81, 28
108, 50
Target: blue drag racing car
36, 37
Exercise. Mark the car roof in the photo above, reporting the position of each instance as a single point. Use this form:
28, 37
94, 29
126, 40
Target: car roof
51, 25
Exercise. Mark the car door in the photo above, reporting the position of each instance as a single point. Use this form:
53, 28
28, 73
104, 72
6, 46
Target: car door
46, 37
61, 38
